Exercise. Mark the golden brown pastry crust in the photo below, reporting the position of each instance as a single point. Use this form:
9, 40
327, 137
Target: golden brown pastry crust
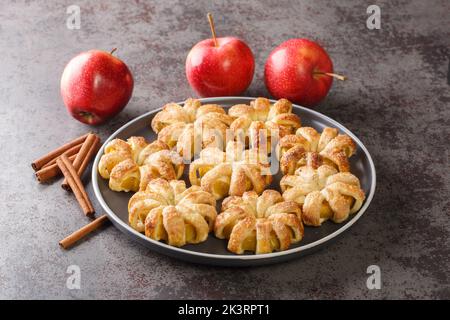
323, 192
334, 148
259, 120
262, 224
130, 165
317, 187
232, 172
168, 211
182, 127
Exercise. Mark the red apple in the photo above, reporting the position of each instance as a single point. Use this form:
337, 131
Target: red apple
299, 70
95, 86
222, 70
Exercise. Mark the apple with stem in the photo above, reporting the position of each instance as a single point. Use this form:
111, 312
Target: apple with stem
220, 66
301, 71
95, 86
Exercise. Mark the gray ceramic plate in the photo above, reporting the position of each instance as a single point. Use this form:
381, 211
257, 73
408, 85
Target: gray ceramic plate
213, 251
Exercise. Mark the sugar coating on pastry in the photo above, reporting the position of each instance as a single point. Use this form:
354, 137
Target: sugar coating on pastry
333, 147
130, 165
323, 192
232, 172
259, 223
260, 120
170, 212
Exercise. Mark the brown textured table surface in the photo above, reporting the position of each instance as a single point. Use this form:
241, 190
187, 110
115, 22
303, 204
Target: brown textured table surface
396, 101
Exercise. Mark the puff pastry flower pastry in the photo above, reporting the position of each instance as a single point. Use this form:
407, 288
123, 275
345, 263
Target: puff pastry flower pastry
231, 172
334, 148
168, 211
261, 224
191, 127
256, 122
130, 165
323, 192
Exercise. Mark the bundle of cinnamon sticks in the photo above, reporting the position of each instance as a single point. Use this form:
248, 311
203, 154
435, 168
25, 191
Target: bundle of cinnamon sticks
72, 159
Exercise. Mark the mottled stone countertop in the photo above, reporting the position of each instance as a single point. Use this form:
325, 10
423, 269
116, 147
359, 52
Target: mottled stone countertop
396, 100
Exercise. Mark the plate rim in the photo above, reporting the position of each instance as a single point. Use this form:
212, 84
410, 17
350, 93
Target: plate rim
266, 256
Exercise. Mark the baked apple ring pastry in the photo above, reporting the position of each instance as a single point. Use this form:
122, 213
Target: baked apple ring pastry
334, 148
323, 192
257, 121
168, 211
130, 165
182, 127
261, 224
232, 172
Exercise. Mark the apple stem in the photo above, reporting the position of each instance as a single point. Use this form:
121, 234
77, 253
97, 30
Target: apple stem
213, 30
113, 50
334, 75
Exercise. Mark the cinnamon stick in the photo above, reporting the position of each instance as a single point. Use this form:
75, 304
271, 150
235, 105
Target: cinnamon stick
51, 171
83, 157
39, 163
71, 152
75, 184
94, 149
84, 231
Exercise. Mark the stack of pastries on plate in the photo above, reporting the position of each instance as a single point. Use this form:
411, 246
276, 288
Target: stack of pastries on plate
233, 166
